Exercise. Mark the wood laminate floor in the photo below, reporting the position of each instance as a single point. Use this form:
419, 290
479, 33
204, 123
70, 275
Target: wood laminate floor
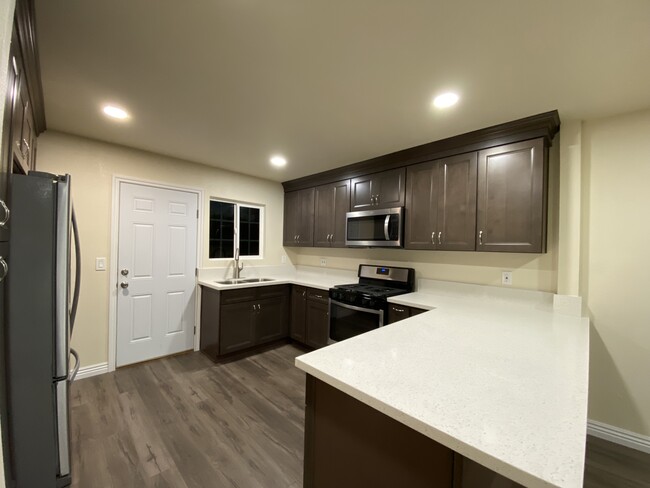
185, 422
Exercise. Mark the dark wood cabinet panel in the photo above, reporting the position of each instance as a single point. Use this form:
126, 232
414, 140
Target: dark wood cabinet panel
456, 223
299, 218
298, 313
238, 319
317, 323
237, 327
272, 321
378, 190
401, 312
441, 204
511, 206
331, 203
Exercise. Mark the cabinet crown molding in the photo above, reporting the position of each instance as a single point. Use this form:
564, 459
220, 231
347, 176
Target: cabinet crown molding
544, 125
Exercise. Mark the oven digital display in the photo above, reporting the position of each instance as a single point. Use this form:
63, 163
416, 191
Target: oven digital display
383, 271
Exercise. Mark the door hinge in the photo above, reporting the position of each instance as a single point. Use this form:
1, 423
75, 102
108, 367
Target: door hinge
197, 213
195, 330
196, 271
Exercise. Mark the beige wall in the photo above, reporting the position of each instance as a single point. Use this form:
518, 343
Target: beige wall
92, 165
615, 267
531, 271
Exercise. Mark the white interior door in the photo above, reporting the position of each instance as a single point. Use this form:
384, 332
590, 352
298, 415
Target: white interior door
156, 266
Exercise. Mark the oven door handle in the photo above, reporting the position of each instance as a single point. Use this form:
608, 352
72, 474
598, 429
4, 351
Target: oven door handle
386, 222
359, 309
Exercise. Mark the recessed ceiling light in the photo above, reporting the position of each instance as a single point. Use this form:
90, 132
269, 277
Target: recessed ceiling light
278, 161
115, 112
445, 100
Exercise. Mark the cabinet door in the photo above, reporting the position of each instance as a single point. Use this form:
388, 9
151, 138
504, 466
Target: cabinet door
291, 216
324, 214
272, 321
237, 327
511, 204
210, 306
389, 188
361, 193
456, 223
341, 208
298, 312
305, 224
422, 205
317, 324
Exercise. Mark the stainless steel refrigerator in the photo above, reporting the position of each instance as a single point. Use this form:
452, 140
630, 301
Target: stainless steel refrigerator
41, 306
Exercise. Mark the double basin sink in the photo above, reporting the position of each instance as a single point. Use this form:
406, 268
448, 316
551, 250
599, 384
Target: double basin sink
238, 281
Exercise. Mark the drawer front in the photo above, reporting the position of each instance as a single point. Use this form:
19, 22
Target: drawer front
237, 296
272, 291
397, 313
417, 311
316, 295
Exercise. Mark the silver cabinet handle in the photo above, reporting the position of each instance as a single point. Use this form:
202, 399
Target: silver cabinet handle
439, 241
480, 238
124, 284
304, 293
399, 310
331, 238
5, 218
433, 236
5, 269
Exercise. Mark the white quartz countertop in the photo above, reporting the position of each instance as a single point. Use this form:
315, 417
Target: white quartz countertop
500, 380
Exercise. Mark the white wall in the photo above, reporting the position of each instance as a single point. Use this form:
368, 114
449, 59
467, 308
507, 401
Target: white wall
92, 165
6, 24
615, 267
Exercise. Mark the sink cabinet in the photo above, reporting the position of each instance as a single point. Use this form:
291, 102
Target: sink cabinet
239, 319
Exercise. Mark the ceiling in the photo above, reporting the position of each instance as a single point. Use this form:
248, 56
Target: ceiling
326, 83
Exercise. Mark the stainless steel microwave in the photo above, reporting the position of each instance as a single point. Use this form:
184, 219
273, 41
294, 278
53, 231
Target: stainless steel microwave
374, 228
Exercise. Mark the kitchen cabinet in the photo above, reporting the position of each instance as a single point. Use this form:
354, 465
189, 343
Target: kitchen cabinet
238, 319
298, 313
331, 202
378, 190
441, 204
511, 201
310, 316
299, 218
401, 312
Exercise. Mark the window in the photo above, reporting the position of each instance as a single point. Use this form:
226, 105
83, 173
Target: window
235, 225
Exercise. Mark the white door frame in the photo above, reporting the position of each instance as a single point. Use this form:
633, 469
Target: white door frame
115, 221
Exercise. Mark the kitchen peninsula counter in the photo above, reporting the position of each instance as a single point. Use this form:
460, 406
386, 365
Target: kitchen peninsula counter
495, 375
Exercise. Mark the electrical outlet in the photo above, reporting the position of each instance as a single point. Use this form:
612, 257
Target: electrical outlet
323, 262
100, 264
284, 259
506, 278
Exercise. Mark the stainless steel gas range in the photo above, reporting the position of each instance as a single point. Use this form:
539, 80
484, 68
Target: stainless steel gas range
360, 307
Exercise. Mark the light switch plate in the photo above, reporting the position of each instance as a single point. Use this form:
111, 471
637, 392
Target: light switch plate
100, 264
506, 278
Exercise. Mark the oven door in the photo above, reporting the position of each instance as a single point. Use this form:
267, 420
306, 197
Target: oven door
348, 321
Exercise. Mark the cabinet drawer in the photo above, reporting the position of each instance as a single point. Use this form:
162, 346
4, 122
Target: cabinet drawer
272, 291
316, 295
240, 295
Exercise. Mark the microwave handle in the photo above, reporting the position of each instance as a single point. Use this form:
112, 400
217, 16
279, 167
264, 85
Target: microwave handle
386, 222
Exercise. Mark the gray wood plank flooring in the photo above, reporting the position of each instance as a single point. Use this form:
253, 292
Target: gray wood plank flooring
185, 422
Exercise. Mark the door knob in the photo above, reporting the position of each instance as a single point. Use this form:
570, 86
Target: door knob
124, 272
124, 284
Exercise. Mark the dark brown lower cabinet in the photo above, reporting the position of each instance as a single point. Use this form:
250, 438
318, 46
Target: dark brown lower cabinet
349, 444
401, 312
310, 316
239, 319
317, 323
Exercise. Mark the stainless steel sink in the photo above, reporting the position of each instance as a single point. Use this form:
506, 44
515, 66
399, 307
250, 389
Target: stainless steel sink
243, 280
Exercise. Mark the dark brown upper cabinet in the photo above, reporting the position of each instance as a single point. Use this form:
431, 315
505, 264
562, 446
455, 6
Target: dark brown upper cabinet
331, 202
299, 218
441, 204
512, 198
378, 190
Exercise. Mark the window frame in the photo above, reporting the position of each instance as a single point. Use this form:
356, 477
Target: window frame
237, 205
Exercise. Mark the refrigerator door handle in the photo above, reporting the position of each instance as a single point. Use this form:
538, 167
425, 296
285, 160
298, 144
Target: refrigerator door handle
62, 280
75, 370
77, 277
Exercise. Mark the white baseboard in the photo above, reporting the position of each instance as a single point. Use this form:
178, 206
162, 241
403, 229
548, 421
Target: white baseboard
619, 436
92, 370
